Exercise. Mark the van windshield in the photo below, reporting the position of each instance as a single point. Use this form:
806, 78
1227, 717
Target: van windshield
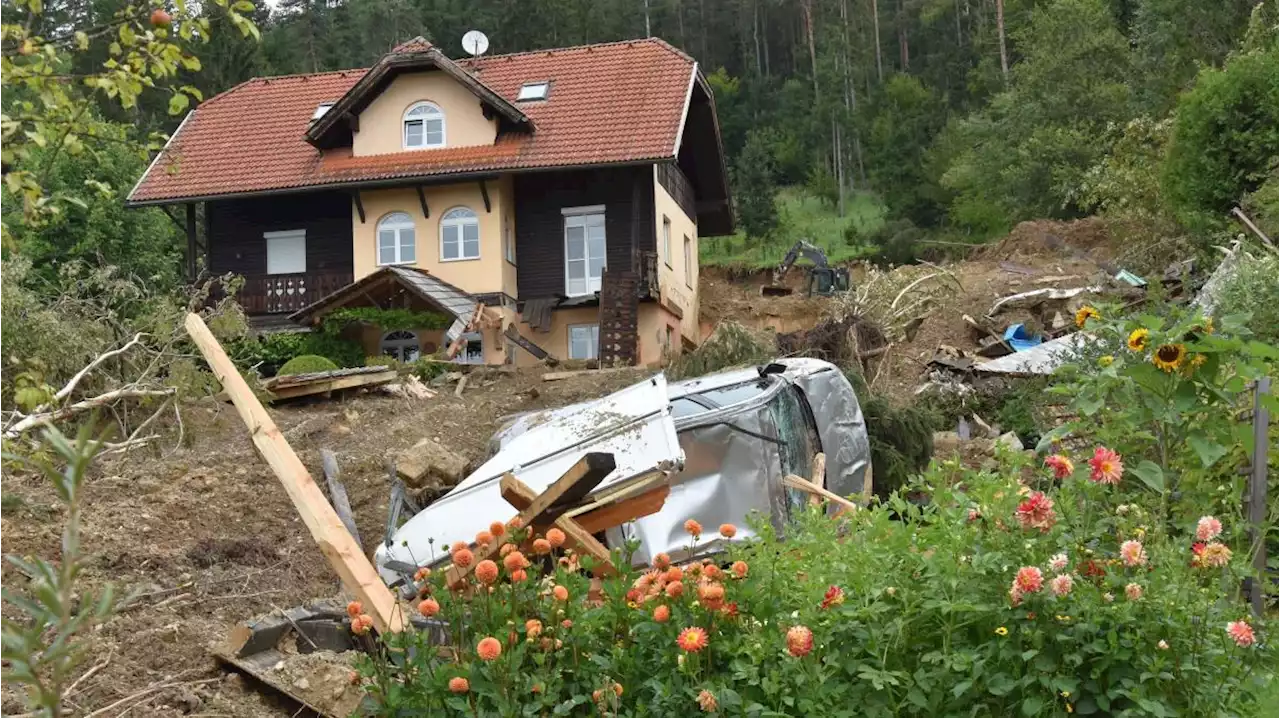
799, 438
711, 399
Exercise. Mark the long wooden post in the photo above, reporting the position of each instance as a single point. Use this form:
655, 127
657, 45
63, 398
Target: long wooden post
1257, 501
357, 573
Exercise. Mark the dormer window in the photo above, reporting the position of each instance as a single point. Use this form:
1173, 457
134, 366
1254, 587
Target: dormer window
423, 127
322, 108
532, 91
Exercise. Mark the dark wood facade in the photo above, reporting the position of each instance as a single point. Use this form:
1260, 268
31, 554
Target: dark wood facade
627, 196
234, 234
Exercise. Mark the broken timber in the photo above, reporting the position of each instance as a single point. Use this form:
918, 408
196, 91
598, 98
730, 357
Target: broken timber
323, 382
336, 543
338, 493
545, 508
811, 488
537, 351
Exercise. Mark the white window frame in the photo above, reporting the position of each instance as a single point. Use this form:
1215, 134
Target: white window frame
290, 236
454, 218
594, 350
508, 241
666, 240
688, 262
463, 357
580, 214
400, 344
397, 222
536, 91
424, 119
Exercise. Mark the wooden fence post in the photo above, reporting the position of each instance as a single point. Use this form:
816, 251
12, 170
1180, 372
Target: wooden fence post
1257, 496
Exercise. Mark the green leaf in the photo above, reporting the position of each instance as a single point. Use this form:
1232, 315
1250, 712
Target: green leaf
1149, 473
178, 102
1088, 405
1001, 684
1032, 705
1208, 450
958, 689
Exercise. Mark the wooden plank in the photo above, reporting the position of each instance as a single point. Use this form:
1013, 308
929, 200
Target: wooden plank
559, 375
338, 493
456, 345
616, 514
819, 476
809, 487
339, 547
577, 537
326, 385
538, 352
546, 507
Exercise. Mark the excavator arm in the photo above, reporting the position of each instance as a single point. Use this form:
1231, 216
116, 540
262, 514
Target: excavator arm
800, 249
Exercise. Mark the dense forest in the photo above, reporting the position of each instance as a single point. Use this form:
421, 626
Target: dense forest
959, 117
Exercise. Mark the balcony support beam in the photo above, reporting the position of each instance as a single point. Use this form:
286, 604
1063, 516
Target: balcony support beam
422, 200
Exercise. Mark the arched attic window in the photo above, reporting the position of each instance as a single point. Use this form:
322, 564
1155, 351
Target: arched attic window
402, 345
423, 126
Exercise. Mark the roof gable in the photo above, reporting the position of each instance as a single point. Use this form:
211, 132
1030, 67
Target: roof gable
334, 128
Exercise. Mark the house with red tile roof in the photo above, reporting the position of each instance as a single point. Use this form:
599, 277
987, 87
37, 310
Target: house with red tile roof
561, 193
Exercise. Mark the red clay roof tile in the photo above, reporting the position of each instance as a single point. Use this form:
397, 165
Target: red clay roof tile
609, 103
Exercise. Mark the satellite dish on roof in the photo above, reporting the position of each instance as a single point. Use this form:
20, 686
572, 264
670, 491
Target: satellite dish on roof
475, 43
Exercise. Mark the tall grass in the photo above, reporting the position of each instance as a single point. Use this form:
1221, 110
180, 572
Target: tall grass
800, 216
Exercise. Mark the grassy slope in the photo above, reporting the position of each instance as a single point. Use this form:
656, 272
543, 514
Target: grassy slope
800, 216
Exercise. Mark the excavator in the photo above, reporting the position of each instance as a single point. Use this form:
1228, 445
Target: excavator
823, 279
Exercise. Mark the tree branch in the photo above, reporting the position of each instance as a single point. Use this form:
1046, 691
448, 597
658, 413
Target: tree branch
82, 406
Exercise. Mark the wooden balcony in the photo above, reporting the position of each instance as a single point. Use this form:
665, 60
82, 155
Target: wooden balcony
286, 293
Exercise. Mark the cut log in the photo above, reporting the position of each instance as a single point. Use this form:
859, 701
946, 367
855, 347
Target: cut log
336, 543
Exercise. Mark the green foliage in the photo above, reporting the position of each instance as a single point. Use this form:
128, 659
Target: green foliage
902, 121
270, 352
901, 437
388, 320
306, 364
1174, 38
48, 619
899, 610
1253, 292
57, 65
1168, 403
800, 216
754, 187
97, 228
1224, 142
730, 345
1024, 155
1126, 182
894, 243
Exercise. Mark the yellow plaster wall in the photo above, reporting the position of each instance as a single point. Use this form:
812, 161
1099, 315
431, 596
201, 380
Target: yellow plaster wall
381, 131
653, 323
671, 279
489, 273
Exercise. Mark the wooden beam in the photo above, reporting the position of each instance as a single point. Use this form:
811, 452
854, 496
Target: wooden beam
191, 241
456, 344
577, 536
359, 204
338, 493
558, 375
545, 508
484, 192
173, 218
344, 554
422, 201
538, 352
819, 476
322, 386
606, 517
809, 487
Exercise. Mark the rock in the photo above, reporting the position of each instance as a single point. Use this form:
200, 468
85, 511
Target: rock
302, 684
428, 464
946, 443
1010, 440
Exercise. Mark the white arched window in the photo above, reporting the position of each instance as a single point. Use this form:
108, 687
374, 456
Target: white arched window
400, 345
396, 239
459, 235
423, 126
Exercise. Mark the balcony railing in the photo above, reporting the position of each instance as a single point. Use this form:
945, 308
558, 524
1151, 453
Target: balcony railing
285, 293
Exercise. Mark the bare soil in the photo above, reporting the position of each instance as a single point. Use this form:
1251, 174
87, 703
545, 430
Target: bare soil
206, 537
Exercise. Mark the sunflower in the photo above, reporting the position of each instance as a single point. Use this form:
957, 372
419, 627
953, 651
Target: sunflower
1084, 314
1169, 356
1138, 339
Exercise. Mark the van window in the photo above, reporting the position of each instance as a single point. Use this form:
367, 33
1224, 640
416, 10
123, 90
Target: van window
711, 399
799, 439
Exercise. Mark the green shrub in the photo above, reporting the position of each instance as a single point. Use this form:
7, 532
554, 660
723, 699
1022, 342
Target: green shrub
730, 345
1224, 138
895, 242
901, 437
898, 609
1254, 290
306, 364
269, 352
